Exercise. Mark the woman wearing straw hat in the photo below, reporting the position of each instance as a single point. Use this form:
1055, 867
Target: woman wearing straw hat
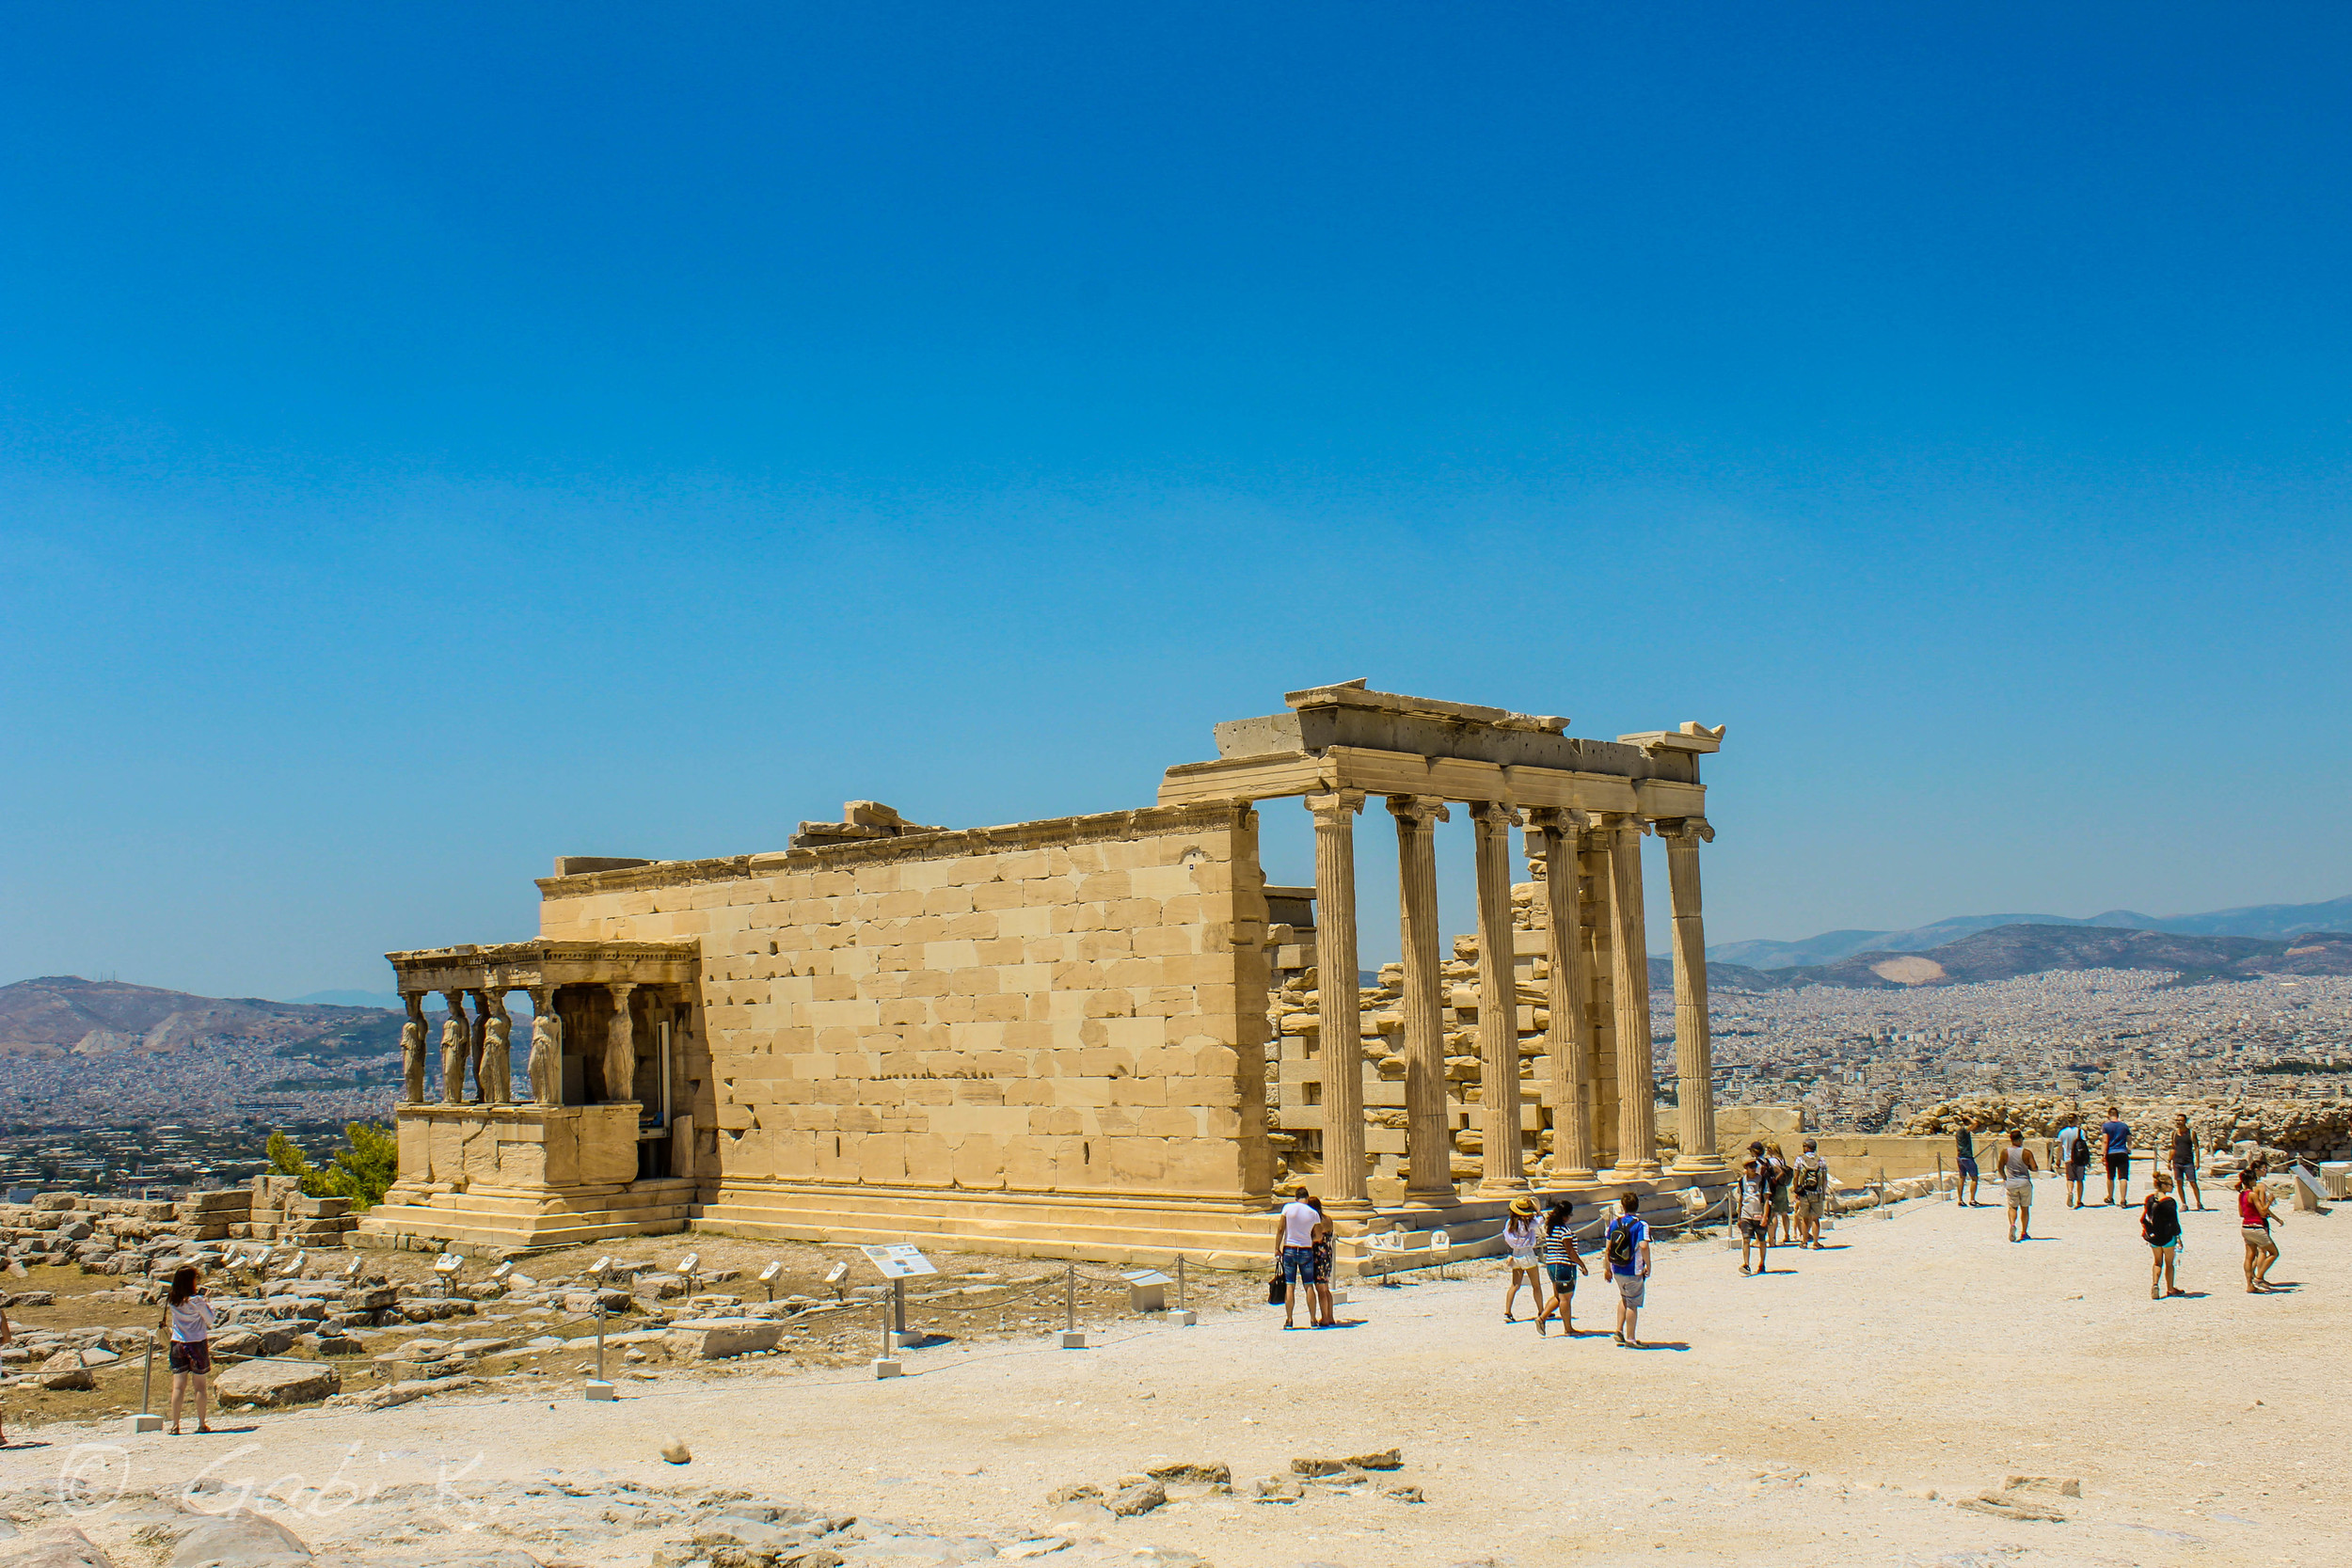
1522, 1233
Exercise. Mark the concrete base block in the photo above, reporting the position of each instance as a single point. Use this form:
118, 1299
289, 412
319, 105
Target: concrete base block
145, 1423
598, 1391
1073, 1338
889, 1367
910, 1337
1183, 1317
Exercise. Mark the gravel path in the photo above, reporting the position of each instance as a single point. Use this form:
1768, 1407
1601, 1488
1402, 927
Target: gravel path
1804, 1416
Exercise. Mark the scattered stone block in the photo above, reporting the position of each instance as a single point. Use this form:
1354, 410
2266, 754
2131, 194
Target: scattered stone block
1315, 1467
276, 1383
718, 1338
1191, 1472
59, 1546
1384, 1459
675, 1451
239, 1538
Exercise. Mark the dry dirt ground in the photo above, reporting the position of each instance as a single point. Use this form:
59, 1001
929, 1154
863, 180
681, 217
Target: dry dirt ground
1841, 1412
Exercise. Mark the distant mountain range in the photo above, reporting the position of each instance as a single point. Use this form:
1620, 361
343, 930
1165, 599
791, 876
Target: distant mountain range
2007, 952
2271, 922
61, 1015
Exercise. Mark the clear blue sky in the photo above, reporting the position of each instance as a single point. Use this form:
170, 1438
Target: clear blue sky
435, 438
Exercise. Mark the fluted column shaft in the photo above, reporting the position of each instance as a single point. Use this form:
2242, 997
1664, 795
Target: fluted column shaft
1429, 1142
1637, 1089
1338, 1007
1695, 1052
1569, 1046
1498, 1002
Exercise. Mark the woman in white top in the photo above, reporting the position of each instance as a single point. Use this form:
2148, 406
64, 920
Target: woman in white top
190, 1317
1522, 1234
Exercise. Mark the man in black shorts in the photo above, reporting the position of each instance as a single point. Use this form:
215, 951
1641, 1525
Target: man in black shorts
1966, 1140
2118, 1137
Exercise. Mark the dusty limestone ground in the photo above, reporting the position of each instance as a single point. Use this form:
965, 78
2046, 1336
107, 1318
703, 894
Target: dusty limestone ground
1797, 1419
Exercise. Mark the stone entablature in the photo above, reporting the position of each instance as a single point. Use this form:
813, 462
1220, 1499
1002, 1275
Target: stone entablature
537, 965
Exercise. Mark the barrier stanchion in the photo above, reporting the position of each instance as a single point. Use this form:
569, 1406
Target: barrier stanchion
1183, 1317
600, 1386
1073, 1337
146, 1420
888, 1365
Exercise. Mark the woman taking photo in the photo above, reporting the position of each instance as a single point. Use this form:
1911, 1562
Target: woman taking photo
2254, 1218
190, 1317
1522, 1234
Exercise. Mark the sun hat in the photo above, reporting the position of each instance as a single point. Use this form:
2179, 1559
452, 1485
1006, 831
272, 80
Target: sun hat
1523, 1206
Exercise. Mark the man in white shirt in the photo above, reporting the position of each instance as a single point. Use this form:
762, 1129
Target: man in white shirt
1812, 1191
1295, 1252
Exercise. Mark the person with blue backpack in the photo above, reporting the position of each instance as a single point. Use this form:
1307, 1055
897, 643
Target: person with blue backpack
1624, 1259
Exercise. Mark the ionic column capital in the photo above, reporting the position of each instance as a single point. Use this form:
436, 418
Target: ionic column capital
1495, 812
1420, 810
1695, 829
1558, 819
1333, 809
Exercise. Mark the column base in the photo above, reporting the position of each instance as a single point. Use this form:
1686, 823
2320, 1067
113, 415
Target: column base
1430, 1197
1347, 1208
1576, 1175
1507, 1185
1640, 1170
1701, 1165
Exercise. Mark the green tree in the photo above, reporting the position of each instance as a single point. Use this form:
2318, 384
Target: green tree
361, 1170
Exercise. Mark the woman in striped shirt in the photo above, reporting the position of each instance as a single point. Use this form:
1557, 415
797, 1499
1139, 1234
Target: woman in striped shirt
1563, 1263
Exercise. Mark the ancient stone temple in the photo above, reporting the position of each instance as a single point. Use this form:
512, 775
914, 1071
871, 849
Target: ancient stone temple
1056, 1037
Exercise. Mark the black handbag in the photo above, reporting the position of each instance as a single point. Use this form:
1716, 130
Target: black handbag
1276, 1292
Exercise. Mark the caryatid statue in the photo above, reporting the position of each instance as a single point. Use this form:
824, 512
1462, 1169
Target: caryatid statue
412, 1050
494, 1074
547, 1050
457, 1043
474, 1041
620, 1047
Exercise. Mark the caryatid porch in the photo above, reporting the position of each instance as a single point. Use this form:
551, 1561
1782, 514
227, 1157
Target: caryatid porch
1584, 807
591, 1143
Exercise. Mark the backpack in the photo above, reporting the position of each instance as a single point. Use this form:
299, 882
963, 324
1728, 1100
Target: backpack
1621, 1247
1809, 1180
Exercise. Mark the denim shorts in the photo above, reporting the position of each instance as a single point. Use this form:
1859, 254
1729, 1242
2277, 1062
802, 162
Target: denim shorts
1563, 1276
1299, 1265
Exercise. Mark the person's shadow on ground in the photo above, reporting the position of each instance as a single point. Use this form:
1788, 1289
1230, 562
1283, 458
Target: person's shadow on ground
1661, 1344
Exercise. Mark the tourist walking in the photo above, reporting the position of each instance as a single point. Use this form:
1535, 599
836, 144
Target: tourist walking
1812, 1188
1754, 1197
1563, 1263
2016, 1173
1965, 1143
2073, 1152
1325, 1249
2184, 1159
2160, 1228
2255, 1217
1778, 1176
1625, 1260
189, 1316
1522, 1234
2119, 1140
1294, 1254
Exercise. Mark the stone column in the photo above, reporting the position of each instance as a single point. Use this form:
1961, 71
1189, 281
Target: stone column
1695, 1054
1429, 1142
493, 1074
1637, 1092
412, 1049
546, 1049
1570, 1043
457, 1044
1338, 1009
620, 1047
475, 1041
1498, 1002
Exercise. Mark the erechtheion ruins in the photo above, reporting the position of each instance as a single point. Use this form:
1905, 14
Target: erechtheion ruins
1098, 1036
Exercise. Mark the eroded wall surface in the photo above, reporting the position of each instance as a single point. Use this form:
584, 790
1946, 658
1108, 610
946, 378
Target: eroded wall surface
1074, 1007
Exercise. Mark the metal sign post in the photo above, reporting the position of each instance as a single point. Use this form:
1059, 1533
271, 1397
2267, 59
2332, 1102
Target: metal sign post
1073, 1337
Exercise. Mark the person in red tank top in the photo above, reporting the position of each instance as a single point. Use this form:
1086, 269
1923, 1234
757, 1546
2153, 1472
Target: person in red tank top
2255, 1218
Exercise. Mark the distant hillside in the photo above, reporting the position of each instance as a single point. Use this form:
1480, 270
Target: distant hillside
2009, 951
2271, 922
63, 1015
